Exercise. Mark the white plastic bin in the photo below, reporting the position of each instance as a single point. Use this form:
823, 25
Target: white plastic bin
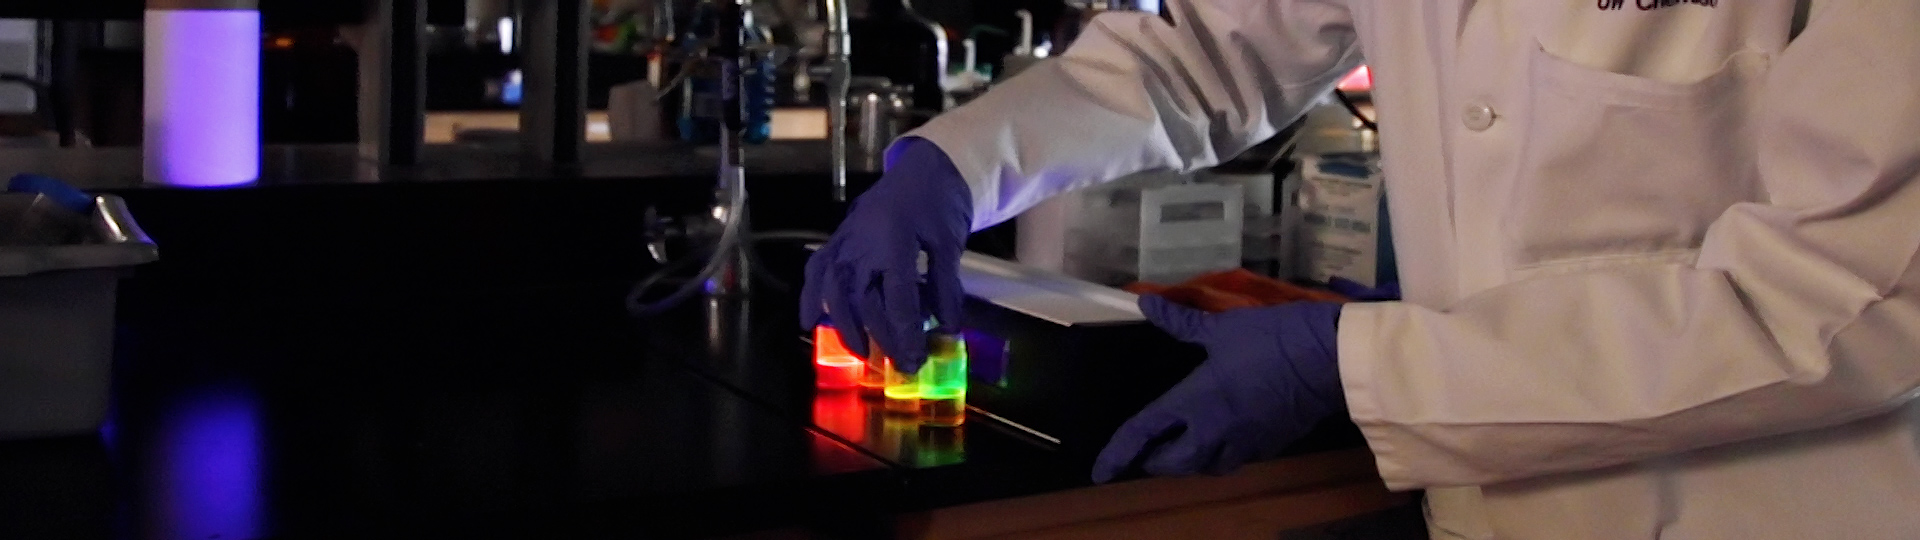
56, 322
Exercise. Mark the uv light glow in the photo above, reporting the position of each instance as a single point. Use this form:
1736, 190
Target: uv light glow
202, 97
943, 381
902, 390
212, 481
834, 366
945, 373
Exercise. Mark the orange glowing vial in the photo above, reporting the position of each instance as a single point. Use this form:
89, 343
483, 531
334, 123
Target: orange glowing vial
835, 367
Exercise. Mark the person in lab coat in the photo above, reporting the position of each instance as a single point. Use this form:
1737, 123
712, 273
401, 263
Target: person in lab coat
1657, 257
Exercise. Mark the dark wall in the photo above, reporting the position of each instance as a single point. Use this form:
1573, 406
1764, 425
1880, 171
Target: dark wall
275, 12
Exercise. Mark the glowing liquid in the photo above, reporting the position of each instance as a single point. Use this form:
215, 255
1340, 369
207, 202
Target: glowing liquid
834, 367
873, 377
946, 371
827, 342
874, 380
902, 391
839, 373
943, 382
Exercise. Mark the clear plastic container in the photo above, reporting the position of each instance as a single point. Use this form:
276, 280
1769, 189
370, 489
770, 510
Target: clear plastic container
56, 315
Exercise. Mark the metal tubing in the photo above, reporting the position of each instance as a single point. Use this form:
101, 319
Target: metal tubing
731, 54
839, 78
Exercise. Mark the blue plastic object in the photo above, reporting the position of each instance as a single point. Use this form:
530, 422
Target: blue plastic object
1270, 376
66, 196
700, 121
759, 79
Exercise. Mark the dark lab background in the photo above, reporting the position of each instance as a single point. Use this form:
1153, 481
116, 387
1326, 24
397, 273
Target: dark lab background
93, 69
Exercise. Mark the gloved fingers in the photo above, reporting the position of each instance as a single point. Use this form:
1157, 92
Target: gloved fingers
1346, 287
1183, 323
1229, 458
944, 287
1354, 290
1133, 439
819, 279
894, 318
843, 282
1185, 455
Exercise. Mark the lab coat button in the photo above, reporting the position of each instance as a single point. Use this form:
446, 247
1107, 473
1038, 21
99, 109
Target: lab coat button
1478, 117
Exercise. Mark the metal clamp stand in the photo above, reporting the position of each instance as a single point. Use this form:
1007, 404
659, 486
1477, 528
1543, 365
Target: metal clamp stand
731, 55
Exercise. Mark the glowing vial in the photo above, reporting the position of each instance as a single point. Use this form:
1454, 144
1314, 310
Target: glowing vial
902, 391
873, 381
943, 381
834, 367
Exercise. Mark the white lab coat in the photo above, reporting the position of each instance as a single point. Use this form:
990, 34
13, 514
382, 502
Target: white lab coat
1657, 262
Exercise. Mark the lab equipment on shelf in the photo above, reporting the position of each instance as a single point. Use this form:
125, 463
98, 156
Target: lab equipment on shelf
881, 111
1344, 229
1024, 54
746, 65
1266, 233
1159, 227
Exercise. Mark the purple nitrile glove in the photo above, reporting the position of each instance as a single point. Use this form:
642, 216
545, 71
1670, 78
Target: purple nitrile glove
1270, 376
867, 275
1386, 292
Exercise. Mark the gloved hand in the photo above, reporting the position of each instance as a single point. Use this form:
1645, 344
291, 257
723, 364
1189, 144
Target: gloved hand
1386, 292
866, 276
1269, 377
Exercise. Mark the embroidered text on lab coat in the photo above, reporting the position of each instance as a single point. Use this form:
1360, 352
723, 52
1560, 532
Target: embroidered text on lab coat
1650, 5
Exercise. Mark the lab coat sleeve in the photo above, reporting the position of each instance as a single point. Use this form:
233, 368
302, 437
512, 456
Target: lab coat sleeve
1141, 92
1798, 313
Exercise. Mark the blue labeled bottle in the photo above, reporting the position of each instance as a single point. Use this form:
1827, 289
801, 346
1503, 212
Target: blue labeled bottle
700, 114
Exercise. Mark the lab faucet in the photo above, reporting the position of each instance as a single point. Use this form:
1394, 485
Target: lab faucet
839, 78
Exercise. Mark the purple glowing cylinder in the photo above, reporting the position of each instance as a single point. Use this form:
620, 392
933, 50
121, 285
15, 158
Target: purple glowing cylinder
202, 97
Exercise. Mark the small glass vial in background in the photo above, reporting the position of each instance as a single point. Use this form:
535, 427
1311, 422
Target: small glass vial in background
943, 382
834, 367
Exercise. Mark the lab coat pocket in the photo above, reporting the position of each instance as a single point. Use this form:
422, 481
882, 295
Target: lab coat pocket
1615, 165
